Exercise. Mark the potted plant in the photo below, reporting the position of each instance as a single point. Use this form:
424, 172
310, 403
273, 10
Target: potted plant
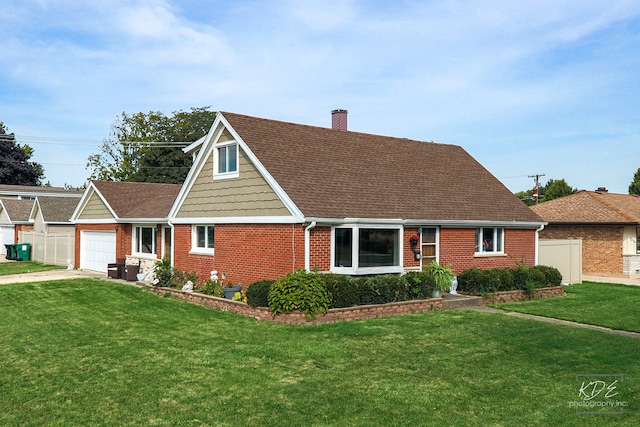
231, 290
442, 276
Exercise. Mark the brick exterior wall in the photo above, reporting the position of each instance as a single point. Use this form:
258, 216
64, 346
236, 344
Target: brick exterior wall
601, 246
244, 253
457, 249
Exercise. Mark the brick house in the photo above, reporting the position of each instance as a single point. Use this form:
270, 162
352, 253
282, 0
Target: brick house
266, 197
123, 220
607, 223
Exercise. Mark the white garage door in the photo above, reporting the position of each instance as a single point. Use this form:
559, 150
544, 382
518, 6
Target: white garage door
6, 237
97, 249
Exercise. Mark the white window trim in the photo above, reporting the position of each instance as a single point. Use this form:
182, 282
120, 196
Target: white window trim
355, 269
479, 253
194, 241
134, 242
436, 244
225, 175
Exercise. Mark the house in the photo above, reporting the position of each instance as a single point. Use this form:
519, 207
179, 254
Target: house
267, 197
51, 214
123, 220
607, 223
14, 217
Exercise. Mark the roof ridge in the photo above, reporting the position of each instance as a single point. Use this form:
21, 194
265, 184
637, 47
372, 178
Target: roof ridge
611, 206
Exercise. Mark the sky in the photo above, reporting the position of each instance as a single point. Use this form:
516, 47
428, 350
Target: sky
526, 87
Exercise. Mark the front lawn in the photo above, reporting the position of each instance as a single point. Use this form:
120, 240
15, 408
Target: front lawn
610, 305
20, 267
89, 352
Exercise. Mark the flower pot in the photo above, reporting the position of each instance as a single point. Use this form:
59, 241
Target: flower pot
230, 291
436, 293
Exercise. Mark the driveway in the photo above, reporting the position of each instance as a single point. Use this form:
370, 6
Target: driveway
41, 276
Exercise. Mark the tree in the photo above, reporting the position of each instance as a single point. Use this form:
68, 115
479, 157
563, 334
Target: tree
15, 167
634, 187
557, 188
130, 155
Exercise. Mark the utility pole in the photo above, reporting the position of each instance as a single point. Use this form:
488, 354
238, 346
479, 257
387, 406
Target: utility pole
535, 190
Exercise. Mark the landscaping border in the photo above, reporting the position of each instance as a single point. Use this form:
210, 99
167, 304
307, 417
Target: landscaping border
519, 295
297, 318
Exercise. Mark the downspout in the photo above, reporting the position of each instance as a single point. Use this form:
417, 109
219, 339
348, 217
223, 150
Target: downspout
537, 243
172, 241
307, 246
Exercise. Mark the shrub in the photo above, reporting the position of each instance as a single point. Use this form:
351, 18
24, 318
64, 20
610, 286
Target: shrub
552, 275
475, 281
419, 285
375, 290
181, 277
164, 272
299, 291
258, 293
537, 277
343, 290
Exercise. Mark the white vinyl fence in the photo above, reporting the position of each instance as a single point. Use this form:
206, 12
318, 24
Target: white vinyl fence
49, 248
563, 254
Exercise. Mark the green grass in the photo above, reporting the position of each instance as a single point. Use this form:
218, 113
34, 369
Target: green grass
610, 305
88, 352
19, 267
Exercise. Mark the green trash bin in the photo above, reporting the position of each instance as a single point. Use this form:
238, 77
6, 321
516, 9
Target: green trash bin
23, 251
12, 252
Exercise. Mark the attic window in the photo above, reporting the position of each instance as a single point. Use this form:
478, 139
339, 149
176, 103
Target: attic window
225, 161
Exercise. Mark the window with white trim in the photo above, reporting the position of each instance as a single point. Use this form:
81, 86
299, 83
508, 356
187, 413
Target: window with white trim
490, 240
226, 160
203, 239
362, 250
144, 240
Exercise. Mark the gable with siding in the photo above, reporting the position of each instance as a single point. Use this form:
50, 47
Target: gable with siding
95, 208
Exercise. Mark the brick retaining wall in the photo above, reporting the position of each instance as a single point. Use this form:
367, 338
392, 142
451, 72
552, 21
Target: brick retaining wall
297, 318
515, 296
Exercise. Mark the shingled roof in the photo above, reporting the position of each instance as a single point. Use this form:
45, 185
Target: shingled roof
57, 209
331, 173
17, 210
591, 207
134, 200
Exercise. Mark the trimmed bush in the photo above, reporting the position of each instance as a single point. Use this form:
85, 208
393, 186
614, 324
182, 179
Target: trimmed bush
299, 291
522, 277
552, 275
378, 289
258, 293
343, 290
419, 285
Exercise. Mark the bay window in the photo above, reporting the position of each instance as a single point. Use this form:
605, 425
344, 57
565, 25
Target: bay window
363, 250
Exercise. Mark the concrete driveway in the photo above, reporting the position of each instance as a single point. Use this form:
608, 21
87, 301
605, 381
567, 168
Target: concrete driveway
41, 276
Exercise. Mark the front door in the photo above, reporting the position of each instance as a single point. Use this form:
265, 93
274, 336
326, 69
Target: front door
166, 243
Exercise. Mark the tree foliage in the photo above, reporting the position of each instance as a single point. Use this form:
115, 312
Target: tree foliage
634, 187
553, 189
15, 167
126, 157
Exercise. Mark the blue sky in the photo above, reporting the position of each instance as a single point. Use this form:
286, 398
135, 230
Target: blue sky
525, 87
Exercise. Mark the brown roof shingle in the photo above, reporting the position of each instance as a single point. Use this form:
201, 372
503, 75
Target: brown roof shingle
591, 207
18, 210
57, 209
342, 174
138, 199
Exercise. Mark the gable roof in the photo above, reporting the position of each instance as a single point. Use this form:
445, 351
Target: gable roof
17, 211
330, 173
591, 207
132, 200
55, 209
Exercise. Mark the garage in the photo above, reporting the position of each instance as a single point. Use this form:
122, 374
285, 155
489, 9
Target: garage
6, 237
97, 249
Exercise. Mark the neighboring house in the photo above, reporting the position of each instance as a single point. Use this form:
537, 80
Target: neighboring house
265, 198
30, 192
53, 214
14, 217
117, 220
607, 223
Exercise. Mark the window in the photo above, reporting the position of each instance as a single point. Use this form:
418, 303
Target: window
429, 245
203, 239
226, 161
489, 240
144, 240
366, 250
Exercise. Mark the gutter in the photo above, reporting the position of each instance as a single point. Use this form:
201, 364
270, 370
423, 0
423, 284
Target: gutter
307, 246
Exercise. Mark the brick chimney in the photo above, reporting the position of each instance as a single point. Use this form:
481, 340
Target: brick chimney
339, 119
